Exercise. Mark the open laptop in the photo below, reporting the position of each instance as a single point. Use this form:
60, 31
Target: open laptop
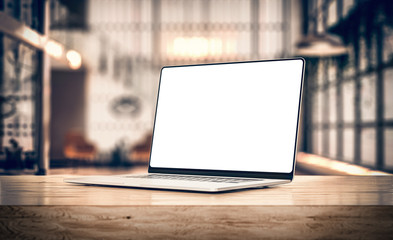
221, 127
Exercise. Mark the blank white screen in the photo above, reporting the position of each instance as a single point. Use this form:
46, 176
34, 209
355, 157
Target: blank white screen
239, 117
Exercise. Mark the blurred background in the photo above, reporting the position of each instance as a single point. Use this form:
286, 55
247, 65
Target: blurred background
79, 78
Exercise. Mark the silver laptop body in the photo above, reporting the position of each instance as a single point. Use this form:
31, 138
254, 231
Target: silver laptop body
221, 127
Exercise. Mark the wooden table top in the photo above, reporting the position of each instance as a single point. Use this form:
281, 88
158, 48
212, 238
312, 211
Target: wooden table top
304, 190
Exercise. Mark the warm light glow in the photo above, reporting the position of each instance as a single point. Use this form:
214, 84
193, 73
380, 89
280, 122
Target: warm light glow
74, 59
322, 50
322, 45
32, 36
196, 47
54, 49
334, 165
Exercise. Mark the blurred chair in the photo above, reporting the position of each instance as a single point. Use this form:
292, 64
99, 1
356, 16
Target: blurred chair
77, 147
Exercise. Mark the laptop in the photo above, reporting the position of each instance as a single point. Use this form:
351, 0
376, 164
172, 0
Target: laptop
221, 127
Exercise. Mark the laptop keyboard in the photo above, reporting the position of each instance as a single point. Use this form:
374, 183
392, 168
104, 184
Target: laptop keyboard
195, 178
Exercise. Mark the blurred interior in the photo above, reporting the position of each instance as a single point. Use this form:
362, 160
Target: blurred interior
79, 78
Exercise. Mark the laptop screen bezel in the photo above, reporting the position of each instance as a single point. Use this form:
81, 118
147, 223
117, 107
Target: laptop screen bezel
226, 173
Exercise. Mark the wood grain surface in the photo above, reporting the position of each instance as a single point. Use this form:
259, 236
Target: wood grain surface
311, 207
196, 222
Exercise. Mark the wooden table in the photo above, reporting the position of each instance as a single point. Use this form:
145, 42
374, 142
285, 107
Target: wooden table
324, 207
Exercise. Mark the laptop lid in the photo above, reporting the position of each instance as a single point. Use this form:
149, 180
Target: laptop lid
228, 119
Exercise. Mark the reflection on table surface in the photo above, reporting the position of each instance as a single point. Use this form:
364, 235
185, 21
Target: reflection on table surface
304, 190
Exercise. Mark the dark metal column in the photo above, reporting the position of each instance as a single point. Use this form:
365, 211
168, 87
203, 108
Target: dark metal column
43, 95
380, 141
325, 110
340, 110
254, 29
286, 48
2, 56
156, 32
358, 89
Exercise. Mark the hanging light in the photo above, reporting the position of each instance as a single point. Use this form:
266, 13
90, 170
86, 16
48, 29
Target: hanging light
321, 45
74, 59
54, 49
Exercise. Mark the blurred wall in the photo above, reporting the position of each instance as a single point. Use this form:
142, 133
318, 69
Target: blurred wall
127, 42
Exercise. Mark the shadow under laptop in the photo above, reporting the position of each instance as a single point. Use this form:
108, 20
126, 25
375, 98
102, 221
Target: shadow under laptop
177, 190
